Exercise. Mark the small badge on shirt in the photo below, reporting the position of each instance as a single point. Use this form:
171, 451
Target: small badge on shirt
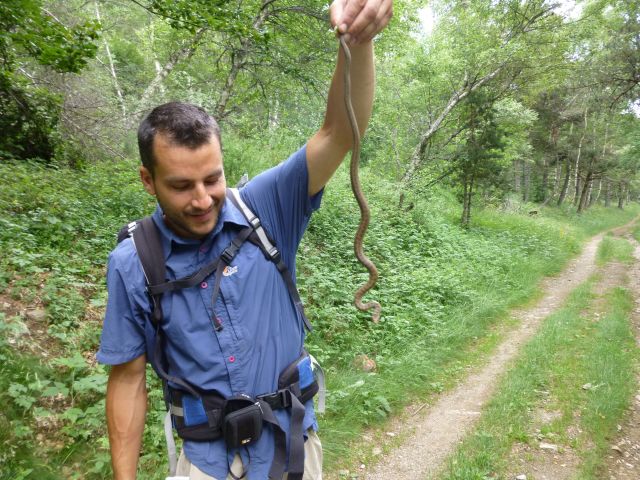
229, 270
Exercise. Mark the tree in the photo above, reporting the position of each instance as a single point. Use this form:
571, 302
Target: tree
479, 156
31, 35
485, 42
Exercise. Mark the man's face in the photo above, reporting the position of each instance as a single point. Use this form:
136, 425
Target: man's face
189, 185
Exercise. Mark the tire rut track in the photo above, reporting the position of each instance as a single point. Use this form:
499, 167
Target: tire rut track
433, 435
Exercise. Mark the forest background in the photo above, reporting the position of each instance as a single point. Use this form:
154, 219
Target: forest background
524, 113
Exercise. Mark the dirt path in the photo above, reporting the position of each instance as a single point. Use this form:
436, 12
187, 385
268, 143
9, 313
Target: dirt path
623, 462
437, 430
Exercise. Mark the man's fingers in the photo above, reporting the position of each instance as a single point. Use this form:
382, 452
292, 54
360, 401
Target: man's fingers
336, 14
360, 19
366, 16
373, 28
350, 9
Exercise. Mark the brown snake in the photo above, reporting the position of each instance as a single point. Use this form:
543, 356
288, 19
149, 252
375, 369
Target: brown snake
357, 192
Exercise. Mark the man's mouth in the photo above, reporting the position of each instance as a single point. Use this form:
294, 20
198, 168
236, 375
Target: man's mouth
202, 217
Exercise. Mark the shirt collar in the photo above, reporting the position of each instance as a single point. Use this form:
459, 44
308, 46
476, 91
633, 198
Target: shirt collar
229, 214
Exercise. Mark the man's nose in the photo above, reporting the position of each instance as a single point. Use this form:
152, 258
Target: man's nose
201, 198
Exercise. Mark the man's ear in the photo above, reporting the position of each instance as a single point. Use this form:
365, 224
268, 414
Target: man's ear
147, 181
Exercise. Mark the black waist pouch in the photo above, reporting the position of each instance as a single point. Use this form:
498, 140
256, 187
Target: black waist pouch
242, 421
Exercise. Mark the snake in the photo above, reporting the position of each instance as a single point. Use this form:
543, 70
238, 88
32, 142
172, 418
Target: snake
365, 214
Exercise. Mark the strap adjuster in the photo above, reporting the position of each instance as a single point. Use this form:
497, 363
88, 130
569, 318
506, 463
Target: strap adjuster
274, 253
228, 254
277, 400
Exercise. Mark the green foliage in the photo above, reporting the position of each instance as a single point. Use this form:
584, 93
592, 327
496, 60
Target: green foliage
31, 112
441, 287
191, 15
28, 27
29, 120
612, 248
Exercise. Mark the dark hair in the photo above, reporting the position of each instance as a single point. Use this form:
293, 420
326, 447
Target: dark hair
182, 123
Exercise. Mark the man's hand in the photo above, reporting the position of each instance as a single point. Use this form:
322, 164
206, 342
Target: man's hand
360, 20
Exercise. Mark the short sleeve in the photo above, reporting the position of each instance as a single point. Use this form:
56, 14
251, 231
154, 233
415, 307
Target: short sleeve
280, 198
123, 333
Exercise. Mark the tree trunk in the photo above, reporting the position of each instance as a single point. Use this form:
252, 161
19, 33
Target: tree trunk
455, 99
585, 191
526, 174
517, 178
607, 193
558, 175
176, 57
545, 178
621, 195
465, 204
594, 198
565, 184
238, 61
466, 201
112, 70
576, 169
587, 200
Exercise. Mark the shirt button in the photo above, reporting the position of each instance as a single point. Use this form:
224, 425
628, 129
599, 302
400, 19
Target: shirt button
232, 359
204, 285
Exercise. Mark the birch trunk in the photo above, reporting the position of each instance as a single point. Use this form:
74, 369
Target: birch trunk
454, 100
112, 69
176, 57
576, 196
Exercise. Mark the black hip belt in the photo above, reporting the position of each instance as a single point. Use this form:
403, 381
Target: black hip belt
203, 418
240, 419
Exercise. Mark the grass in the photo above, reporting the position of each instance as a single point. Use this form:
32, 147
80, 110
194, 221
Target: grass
614, 248
577, 366
444, 291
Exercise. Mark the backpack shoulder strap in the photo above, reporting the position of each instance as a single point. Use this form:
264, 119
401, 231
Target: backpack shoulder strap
146, 241
267, 246
126, 231
254, 221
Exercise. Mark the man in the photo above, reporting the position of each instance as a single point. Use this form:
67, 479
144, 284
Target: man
239, 342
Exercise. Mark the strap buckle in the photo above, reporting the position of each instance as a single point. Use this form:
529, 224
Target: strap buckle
277, 400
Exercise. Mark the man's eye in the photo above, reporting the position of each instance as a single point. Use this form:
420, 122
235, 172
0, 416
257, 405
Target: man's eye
180, 187
211, 181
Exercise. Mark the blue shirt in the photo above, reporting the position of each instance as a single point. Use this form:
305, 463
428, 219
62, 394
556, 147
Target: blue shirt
262, 332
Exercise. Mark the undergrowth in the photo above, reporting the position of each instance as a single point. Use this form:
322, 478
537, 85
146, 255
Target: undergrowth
441, 287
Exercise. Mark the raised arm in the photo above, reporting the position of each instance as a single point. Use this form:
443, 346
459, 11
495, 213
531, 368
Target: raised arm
360, 21
126, 411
